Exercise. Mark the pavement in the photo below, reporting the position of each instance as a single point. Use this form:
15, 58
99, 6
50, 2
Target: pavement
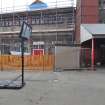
56, 88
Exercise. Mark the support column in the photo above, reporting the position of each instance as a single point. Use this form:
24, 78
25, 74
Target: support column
93, 55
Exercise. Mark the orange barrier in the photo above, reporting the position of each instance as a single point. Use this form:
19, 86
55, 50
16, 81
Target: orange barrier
31, 62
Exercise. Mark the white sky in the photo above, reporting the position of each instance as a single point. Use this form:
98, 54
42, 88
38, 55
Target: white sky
19, 5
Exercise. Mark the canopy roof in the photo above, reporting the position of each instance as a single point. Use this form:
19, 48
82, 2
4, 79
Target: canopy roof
88, 31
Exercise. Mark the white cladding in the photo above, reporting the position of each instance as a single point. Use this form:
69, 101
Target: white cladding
84, 34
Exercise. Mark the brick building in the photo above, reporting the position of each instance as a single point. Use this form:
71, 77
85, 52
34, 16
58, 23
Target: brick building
87, 12
90, 19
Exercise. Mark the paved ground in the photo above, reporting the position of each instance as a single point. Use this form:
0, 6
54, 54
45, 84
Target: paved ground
60, 88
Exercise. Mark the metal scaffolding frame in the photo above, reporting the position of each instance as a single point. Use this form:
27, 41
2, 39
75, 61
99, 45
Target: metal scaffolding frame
52, 25
69, 18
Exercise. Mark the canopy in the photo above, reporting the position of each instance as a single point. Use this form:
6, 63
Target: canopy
88, 31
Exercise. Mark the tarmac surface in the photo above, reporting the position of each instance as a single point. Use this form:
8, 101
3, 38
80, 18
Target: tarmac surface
56, 88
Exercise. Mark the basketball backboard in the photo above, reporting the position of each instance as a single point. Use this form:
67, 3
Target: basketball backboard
26, 31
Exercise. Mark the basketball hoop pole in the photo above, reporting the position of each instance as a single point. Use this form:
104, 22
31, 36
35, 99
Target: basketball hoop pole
26, 31
22, 57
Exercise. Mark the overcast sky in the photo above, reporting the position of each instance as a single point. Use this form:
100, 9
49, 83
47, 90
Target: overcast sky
19, 5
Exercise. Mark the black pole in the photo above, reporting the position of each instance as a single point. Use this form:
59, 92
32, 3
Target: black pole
22, 58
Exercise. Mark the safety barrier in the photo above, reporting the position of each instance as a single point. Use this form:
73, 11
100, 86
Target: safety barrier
31, 62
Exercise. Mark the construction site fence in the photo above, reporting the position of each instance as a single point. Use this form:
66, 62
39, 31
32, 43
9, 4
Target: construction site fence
31, 62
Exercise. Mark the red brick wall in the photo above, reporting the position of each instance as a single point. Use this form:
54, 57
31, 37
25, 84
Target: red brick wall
87, 12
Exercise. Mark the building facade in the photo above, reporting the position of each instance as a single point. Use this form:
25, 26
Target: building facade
51, 26
90, 22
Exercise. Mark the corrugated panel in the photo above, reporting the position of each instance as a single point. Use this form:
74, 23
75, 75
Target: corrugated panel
95, 28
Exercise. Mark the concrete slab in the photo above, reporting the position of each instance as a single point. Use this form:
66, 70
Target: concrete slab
57, 88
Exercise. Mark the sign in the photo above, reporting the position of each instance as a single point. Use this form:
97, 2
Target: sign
38, 43
38, 52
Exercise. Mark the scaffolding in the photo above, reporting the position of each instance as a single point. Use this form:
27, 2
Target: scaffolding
55, 24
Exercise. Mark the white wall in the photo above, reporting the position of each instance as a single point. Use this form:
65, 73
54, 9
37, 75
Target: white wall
84, 34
